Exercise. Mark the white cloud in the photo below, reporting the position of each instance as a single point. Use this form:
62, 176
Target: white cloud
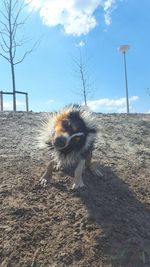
49, 102
77, 17
80, 44
111, 105
109, 6
34, 4
8, 105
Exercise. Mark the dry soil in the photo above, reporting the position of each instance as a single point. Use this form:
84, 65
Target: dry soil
105, 224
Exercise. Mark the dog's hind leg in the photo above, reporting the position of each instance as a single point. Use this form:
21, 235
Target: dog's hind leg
88, 160
47, 174
78, 182
95, 169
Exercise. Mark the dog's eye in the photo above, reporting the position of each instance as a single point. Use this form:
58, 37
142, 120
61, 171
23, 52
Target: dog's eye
77, 139
65, 124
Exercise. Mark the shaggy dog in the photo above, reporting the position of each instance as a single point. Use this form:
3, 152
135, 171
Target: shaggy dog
70, 135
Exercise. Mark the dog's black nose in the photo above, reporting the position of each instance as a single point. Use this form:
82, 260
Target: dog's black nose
60, 142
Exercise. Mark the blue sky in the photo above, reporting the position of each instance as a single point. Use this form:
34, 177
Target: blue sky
97, 28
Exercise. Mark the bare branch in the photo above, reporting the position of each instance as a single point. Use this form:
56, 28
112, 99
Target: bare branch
27, 53
4, 41
82, 72
24, 56
6, 5
4, 50
12, 12
3, 14
76, 62
148, 91
15, 24
5, 57
4, 33
14, 5
11, 21
14, 50
5, 26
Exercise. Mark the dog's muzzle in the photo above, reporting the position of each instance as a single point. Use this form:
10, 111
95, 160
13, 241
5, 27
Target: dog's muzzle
62, 142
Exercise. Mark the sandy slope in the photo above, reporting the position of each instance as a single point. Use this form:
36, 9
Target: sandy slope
105, 224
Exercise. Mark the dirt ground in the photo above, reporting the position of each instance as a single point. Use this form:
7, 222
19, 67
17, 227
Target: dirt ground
105, 224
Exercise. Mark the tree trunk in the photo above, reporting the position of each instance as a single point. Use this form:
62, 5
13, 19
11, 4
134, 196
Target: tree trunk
11, 55
84, 86
13, 86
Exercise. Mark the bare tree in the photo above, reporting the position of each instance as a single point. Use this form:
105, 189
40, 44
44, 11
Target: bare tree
148, 91
11, 21
82, 72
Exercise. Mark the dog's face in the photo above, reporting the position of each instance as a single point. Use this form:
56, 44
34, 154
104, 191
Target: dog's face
69, 130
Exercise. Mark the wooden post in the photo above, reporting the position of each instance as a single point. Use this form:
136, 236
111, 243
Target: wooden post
1, 100
10, 93
27, 103
14, 101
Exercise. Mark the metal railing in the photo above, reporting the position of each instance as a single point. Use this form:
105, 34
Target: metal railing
11, 93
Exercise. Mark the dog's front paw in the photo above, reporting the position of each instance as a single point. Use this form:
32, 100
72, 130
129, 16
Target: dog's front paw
43, 181
76, 186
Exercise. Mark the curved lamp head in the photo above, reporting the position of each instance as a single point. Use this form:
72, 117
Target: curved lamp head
123, 48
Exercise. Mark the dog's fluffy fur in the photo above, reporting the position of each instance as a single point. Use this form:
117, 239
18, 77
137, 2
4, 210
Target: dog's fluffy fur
69, 134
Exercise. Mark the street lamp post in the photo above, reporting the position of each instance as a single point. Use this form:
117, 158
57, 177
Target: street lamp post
123, 49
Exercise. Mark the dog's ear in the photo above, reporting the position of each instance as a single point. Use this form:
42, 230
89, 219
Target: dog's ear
76, 122
74, 115
65, 123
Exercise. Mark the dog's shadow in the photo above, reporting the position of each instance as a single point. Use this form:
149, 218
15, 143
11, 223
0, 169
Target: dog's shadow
125, 221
